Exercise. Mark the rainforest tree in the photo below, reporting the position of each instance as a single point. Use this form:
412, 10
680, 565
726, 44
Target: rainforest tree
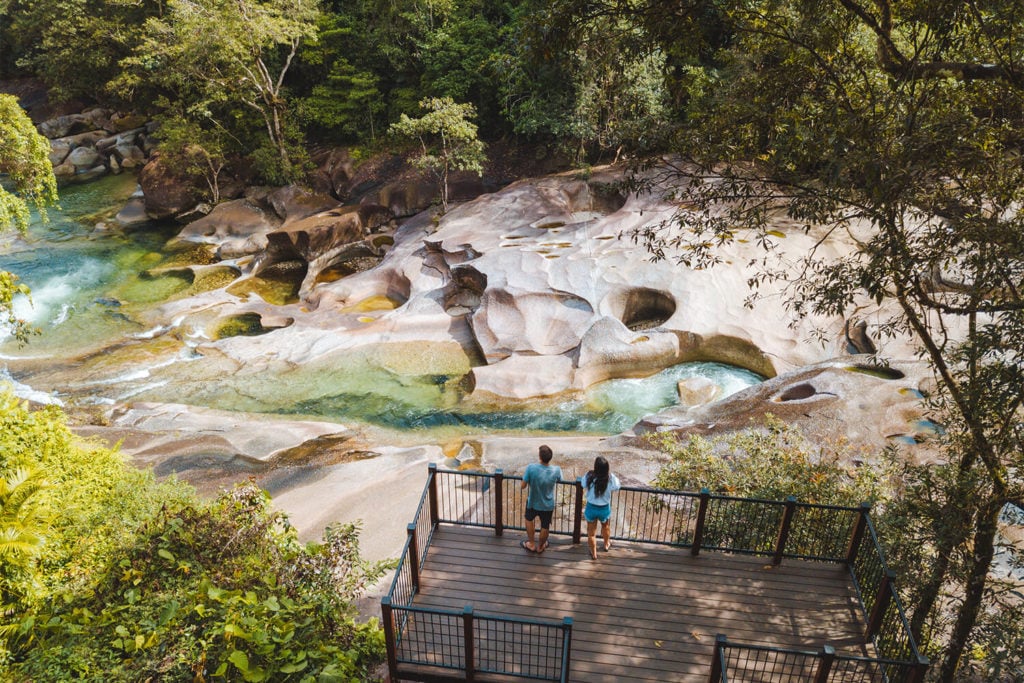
217, 61
900, 123
445, 138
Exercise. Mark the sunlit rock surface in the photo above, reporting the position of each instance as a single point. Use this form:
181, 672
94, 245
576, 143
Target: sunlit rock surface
532, 291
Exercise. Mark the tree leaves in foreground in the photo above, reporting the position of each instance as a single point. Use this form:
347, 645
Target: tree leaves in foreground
899, 127
770, 462
24, 159
138, 580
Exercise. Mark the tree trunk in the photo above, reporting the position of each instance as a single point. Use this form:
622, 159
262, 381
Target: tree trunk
974, 588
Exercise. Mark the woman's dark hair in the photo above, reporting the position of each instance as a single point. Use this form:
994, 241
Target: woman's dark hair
598, 476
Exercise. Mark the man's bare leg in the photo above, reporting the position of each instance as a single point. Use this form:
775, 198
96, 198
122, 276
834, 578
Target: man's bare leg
531, 528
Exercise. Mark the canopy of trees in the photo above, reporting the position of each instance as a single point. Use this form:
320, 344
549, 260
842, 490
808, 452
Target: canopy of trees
899, 121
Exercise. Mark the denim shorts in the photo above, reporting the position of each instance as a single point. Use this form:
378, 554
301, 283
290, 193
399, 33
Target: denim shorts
597, 513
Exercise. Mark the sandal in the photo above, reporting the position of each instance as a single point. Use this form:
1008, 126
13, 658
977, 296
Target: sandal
524, 546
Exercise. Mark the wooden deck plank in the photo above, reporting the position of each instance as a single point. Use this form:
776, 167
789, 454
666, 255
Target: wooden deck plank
644, 612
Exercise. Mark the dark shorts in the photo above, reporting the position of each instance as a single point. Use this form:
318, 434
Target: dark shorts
545, 517
597, 513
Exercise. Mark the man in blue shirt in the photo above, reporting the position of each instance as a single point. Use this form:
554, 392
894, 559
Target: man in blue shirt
541, 478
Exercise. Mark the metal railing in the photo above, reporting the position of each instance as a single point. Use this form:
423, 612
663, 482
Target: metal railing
698, 521
742, 663
451, 645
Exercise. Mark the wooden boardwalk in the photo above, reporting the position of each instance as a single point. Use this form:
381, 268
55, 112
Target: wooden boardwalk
644, 612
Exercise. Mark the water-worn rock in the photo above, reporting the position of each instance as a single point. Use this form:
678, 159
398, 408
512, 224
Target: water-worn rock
293, 203
166, 193
84, 157
858, 400
133, 213
59, 151
229, 220
321, 240
610, 349
697, 391
511, 320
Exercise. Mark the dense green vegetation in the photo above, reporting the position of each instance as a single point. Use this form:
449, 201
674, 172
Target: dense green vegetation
268, 79
108, 575
24, 160
899, 120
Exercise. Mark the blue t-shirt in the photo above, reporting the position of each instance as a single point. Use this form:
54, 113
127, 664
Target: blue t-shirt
606, 497
542, 480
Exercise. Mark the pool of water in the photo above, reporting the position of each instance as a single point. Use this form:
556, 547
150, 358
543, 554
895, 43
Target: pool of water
91, 287
86, 282
606, 408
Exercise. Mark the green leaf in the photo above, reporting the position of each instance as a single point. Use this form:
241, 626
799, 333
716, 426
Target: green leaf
236, 631
166, 554
294, 666
240, 660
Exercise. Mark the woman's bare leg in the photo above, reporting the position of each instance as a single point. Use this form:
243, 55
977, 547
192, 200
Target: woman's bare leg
592, 538
606, 533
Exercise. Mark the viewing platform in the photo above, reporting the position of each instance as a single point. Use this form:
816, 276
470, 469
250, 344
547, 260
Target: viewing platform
695, 588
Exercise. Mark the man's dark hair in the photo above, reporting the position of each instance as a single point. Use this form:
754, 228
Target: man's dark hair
545, 454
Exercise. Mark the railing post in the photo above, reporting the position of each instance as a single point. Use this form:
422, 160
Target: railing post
882, 598
499, 495
566, 648
825, 660
858, 533
919, 670
414, 557
432, 495
388, 621
787, 522
468, 649
716, 661
577, 516
702, 513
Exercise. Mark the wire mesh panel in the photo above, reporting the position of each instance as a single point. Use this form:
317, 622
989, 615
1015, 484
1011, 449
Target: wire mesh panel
402, 589
430, 638
821, 532
518, 648
869, 569
742, 525
847, 669
745, 664
755, 664
856, 670
514, 506
465, 498
893, 640
424, 529
654, 516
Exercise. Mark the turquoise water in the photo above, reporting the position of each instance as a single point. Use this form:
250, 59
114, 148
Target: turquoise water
81, 278
91, 293
608, 408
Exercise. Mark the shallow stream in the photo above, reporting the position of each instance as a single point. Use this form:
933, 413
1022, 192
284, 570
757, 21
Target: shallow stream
94, 285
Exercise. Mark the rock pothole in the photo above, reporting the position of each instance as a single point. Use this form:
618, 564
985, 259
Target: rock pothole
642, 308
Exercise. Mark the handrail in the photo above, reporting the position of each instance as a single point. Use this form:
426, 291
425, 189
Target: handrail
794, 665
699, 521
658, 516
397, 611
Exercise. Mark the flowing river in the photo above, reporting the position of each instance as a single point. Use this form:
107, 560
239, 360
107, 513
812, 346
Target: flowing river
95, 288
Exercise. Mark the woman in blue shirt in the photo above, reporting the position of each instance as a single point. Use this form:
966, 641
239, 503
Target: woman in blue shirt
599, 484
